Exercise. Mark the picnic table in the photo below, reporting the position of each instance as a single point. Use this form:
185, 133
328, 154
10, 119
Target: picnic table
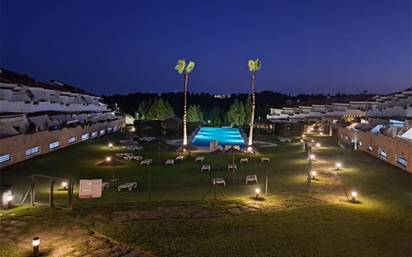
199, 159
251, 178
242, 160
265, 159
205, 167
170, 162
232, 167
146, 161
218, 181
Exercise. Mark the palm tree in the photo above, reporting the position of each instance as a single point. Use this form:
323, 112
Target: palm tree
254, 67
184, 69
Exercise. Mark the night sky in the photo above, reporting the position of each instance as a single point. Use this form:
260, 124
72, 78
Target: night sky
105, 47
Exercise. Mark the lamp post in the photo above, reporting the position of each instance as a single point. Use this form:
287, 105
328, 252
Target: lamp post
36, 246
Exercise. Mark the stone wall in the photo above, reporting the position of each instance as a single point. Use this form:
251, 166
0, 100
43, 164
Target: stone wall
17, 145
371, 143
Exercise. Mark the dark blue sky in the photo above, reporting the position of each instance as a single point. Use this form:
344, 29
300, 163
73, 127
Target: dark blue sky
323, 46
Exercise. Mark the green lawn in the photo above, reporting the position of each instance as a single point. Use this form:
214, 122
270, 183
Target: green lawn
293, 222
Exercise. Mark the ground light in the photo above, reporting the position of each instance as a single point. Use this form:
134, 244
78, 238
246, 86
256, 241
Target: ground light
108, 159
317, 144
338, 166
250, 149
321, 133
312, 157
64, 185
110, 145
36, 246
313, 174
354, 194
133, 129
303, 136
313, 141
257, 192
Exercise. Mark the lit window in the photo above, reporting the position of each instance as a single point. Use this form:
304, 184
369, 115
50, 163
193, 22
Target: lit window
382, 153
71, 140
109, 130
370, 148
54, 145
85, 136
32, 151
102, 132
402, 161
94, 134
5, 158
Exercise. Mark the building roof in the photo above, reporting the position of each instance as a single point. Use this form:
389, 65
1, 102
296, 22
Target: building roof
7, 76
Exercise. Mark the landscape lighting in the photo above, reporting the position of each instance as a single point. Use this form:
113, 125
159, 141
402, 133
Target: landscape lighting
36, 246
110, 145
338, 165
108, 159
257, 191
313, 174
354, 194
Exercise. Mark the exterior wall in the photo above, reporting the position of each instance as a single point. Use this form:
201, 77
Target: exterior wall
17, 145
393, 145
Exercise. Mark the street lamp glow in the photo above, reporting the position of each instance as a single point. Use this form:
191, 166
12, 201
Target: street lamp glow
110, 145
108, 159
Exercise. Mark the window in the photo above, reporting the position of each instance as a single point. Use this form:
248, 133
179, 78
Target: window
85, 136
71, 140
402, 161
32, 151
5, 158
109, 130
115, 129
360, 143
382, 153
94, 134
102, 132
54, 145
370, 148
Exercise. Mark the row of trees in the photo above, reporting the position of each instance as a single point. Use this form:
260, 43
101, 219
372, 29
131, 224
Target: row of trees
156, 109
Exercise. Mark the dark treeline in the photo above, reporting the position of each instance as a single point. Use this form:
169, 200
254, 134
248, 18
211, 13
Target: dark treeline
264, 101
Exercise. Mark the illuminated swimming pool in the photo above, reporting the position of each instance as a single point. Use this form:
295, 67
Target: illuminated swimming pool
225, 136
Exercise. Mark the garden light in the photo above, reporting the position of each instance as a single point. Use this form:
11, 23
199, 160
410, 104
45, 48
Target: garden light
110, 145
257, 191
64, 185
313, 141
36, 246
354, 194
321, 133
250, 149
317, 144
312, 157
338, 165
303, 136
313, 174
302, 141
108, 159
132, 129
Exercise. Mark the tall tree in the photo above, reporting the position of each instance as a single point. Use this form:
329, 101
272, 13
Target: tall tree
184, 69
236, 114
254, 67
160, 110
143, 109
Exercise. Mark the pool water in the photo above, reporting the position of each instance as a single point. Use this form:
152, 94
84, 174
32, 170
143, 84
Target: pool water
224, 136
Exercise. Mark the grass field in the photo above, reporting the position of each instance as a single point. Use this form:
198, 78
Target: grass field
292, 221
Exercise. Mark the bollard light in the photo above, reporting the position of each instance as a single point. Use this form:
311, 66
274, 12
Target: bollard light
313, 174
338, 165
110, 145
36, 246
354, 194
317, 144
312, 157
108, 159
133, 129
257, 191
321, 133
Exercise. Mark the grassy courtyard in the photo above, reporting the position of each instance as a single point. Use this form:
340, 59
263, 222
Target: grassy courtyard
295, 219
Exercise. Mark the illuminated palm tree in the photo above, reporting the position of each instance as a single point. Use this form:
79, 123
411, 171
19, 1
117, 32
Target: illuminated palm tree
184, 69
254, 67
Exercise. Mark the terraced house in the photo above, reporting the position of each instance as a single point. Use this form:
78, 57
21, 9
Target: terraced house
37, 118
381, 125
